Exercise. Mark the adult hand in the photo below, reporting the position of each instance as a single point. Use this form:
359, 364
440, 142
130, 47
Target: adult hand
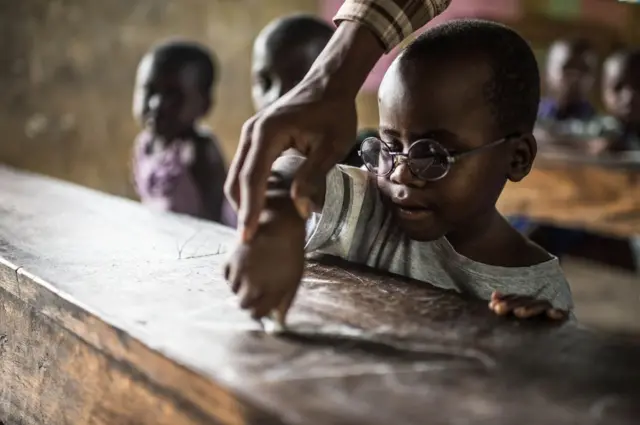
317, 121
317, 118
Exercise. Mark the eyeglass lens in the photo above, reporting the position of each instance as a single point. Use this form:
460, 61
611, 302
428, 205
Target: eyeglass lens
427, 159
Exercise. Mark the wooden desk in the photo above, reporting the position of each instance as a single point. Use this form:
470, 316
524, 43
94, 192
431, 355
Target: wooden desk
600, 195
111, 314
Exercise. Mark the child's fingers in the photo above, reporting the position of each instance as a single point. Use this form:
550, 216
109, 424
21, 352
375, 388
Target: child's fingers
512, 298
531, 310
556, 314
509, 304
500, 308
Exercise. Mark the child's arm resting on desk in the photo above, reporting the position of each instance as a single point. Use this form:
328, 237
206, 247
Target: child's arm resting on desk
266, 272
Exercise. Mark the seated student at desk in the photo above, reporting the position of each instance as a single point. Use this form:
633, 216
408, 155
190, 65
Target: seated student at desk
621, 95
177, 165
457, 109
283, 53
570, 73
619, 129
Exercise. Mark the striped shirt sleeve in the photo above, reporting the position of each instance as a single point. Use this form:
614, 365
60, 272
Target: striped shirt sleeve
391, 20
351, 217
352, 214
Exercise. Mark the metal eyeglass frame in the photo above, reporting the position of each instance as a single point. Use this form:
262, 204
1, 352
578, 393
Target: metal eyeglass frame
451, 158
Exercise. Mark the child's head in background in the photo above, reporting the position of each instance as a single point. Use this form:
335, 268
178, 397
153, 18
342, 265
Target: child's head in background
283, 53
173, 88
571, 70
621, 87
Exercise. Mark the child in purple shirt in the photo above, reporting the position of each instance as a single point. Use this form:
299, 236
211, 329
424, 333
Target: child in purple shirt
177, 166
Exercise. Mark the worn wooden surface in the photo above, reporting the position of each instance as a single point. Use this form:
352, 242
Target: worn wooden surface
600, 195
113, 314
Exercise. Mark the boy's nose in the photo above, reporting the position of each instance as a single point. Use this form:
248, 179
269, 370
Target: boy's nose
403, 175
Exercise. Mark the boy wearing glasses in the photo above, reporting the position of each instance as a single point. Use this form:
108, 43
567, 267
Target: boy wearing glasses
457, 110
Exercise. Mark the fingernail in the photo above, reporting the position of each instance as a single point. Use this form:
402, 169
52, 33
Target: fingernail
303, 205
501, 308
555, 314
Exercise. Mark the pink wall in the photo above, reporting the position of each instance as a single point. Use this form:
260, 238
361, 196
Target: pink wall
503, 10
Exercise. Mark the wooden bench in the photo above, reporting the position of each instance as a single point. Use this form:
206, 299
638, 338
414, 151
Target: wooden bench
112, 314
601, 195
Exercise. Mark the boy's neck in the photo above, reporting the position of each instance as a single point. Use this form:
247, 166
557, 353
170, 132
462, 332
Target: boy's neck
491, 240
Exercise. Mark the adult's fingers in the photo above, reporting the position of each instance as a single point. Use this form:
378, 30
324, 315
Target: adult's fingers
249, 295
284, 306
268, 140
232, 184
266, 305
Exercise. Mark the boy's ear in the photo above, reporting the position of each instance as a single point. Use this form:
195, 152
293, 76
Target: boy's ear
523, 150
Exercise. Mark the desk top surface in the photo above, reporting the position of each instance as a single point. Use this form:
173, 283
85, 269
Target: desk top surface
363, 347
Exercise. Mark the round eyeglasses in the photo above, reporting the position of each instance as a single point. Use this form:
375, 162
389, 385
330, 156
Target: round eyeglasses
427, 159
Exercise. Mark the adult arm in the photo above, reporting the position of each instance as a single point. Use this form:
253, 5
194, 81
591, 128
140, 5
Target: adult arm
318, 116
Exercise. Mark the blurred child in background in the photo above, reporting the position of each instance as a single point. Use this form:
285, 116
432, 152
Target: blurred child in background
177, 165
283, 52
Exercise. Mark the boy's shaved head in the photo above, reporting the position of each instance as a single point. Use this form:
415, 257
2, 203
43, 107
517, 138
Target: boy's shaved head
512, 88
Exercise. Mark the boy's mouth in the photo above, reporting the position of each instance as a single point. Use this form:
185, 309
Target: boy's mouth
411, 211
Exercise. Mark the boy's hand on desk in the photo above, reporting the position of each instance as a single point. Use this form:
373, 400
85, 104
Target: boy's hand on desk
524, 307
265, 273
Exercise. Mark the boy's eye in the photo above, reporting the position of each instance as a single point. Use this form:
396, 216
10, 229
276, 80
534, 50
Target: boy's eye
264, 81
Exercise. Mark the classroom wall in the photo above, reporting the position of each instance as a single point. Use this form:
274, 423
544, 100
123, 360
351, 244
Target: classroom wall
68, 70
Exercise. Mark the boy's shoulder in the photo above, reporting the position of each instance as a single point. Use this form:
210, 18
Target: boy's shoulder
528, 252
510, 248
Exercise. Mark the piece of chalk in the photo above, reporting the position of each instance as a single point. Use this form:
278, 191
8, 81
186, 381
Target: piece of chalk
271, 325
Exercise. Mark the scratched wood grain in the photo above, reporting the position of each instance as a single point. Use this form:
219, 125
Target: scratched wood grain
600, 195
111, 314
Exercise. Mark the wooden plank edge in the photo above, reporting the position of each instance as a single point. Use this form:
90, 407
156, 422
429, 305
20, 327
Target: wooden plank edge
212, 398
